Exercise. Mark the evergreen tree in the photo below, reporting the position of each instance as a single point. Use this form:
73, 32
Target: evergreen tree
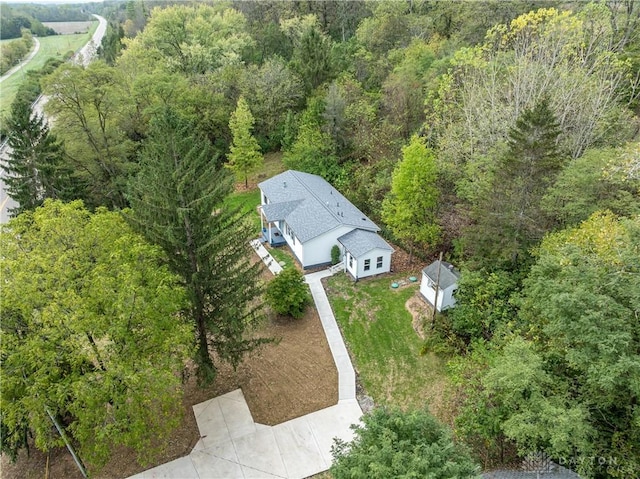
312, 57
509, 219
178, 203
34, 167
245, 155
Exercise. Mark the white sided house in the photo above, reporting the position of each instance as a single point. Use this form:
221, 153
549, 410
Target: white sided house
310, 216
445, 276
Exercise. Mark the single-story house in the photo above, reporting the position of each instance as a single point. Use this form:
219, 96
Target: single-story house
309, 215
445, 276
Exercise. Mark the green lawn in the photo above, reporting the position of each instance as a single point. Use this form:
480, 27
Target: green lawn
282, 254
247, 201
55, 46
385, 348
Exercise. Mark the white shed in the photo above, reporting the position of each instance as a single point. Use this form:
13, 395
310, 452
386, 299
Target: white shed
446, 277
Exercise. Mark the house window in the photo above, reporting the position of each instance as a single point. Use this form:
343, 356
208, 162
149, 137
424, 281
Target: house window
367, 264
293, 239
379, 262
350, 261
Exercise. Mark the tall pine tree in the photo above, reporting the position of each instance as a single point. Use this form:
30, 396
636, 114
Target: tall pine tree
34, 167
509, 219
178, 202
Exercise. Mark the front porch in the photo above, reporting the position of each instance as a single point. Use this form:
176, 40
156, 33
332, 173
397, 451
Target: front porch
273, 236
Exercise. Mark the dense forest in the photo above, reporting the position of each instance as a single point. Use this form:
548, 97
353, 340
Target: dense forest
504, 134
15, 18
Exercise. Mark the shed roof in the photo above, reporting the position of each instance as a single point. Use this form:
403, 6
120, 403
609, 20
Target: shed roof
448, 274
359, 242
313, 206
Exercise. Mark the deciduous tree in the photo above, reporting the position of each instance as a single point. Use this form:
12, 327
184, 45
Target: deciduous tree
245, 156
580, 304
92, 332
599, 180
287, 293
89, 107
393, 443
410, 208
273, 90
190, 39
541, 53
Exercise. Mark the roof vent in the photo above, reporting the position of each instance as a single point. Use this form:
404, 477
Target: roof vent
284, 184
364, 219
337, 205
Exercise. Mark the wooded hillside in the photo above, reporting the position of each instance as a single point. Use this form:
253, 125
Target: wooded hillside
504, 134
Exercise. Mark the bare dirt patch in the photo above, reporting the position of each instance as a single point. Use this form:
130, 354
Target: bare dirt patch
68, 28
420, 312
281, 381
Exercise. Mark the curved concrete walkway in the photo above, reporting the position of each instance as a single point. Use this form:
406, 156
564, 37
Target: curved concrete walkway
233, 446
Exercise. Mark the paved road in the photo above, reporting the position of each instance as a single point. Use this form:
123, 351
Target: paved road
29, 57
88, 52
85, 55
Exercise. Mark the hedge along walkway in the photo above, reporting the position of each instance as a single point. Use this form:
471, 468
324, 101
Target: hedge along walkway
233, 446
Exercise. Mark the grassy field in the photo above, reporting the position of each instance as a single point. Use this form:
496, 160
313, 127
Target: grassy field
386, 350
55, 46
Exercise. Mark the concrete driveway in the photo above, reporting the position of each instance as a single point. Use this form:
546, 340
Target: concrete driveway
233, 446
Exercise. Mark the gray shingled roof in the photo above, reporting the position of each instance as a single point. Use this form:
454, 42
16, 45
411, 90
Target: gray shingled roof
279, 211
448, 274
320, 207
359, 242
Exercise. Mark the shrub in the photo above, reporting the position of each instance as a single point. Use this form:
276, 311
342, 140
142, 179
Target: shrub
288, 294
393, 443
335, 254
